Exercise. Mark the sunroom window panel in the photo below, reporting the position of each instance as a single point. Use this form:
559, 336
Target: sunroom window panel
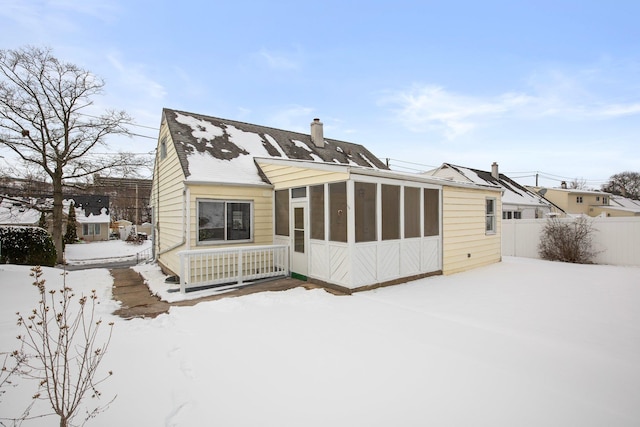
411, 212
338, 212
365, 211
317, 211
390, 212
431, 212
282, 212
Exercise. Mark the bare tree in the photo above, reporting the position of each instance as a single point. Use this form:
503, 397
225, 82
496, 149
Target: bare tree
45, 121
578, 184
626, 184
66, 349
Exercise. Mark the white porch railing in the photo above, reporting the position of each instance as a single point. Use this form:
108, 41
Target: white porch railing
207, 267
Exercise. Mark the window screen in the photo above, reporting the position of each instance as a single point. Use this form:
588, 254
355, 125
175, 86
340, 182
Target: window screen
365, 211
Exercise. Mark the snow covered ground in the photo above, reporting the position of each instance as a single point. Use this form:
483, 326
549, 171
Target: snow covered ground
108, 251
519, 343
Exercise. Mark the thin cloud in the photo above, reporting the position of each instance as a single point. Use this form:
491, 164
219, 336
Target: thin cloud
432, 108
278, 61
296, 118
134, 77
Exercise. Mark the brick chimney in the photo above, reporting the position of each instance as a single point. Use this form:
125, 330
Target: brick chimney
494, 171
317, 134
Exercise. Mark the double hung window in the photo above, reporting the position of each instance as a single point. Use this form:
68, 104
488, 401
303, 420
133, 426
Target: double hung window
490, 217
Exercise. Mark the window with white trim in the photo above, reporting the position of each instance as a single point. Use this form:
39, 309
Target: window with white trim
490, 216
578, 199
224, 220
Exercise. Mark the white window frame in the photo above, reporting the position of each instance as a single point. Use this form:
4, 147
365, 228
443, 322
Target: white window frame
490, 217
579, 200
224, 240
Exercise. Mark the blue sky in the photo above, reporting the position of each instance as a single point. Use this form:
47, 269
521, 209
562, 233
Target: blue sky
540, 86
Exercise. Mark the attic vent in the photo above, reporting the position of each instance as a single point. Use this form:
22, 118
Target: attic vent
317, 134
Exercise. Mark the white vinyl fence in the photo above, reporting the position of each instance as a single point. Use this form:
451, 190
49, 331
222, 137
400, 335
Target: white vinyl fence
617, 240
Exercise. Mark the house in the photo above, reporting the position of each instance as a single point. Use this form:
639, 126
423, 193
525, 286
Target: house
92, 214
576, 201
18, 211
518, 202
618, 206
237, 201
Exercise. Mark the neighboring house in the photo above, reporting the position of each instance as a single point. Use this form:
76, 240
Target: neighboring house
92, 216
17, 211
518, 202
575, 201
227, 193
618, 206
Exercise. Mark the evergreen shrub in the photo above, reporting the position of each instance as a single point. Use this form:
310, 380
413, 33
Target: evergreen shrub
26, 246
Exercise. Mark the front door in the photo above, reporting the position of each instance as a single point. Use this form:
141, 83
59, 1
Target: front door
300, 239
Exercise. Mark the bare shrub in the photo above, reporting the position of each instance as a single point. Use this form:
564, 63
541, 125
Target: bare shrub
567, 241
66, 353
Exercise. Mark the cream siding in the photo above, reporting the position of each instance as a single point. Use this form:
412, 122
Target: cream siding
611, 212
465, 243
168, 186
289, 176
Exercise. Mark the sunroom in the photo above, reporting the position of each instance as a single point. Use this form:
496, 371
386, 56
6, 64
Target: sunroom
354, 227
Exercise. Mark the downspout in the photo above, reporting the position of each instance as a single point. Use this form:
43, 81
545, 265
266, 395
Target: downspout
156, 214
186, 225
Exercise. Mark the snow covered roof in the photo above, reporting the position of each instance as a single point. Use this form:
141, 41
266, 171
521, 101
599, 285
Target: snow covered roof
24, 211
212, 149
14, 212
90, 209
580, 191
624, 204
514, 193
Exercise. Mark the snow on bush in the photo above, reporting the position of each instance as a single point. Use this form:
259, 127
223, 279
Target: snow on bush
26, 246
